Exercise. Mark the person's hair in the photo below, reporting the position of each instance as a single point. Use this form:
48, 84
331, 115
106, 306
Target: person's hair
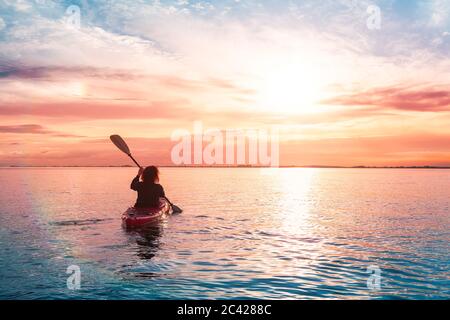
150, 174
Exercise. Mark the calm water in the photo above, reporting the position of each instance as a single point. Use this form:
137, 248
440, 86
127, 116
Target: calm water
244, 233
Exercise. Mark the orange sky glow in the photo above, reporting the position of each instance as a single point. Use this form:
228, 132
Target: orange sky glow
341, 94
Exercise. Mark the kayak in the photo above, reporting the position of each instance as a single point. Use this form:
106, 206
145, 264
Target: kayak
138, 217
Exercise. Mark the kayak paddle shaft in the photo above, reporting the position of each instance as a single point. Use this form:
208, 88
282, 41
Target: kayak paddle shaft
134, 161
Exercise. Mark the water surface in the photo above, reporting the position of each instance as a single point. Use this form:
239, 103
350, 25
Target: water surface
244, 233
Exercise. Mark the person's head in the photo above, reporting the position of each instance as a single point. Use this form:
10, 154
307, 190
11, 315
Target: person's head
150, 174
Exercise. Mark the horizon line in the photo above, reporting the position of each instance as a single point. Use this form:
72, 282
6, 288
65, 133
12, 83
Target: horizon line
231, 166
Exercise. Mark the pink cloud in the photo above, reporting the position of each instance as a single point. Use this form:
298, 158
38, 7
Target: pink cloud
33, 129
401, 98
89, 152
92, 110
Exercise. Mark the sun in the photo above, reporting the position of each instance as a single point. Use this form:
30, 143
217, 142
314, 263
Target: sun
289, 89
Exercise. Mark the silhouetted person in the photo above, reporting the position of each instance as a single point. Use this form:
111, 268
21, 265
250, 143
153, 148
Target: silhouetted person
149, 190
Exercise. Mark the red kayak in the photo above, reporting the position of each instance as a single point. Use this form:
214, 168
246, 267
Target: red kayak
138, 217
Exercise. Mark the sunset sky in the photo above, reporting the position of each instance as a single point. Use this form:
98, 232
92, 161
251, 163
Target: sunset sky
341, 93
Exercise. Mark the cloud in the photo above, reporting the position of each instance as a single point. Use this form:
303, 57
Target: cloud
19, 5
59, 73
167, 63
181, 113
84, 110
439, 12
83, 83
34, 129
2, 24
88, 152
401, 98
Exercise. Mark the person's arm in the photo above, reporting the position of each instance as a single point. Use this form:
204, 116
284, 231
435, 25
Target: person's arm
135, 183
161, 192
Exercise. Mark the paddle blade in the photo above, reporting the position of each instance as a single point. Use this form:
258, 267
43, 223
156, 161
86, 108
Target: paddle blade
120, 143
176, 209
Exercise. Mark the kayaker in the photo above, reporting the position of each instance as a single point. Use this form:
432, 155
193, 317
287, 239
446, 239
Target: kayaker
149, 190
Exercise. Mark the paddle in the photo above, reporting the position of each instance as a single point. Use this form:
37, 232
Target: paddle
122, 145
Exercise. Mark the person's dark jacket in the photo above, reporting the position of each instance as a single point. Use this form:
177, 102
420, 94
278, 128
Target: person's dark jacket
148, 193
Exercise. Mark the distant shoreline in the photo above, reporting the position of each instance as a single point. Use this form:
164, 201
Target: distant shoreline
240, 167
